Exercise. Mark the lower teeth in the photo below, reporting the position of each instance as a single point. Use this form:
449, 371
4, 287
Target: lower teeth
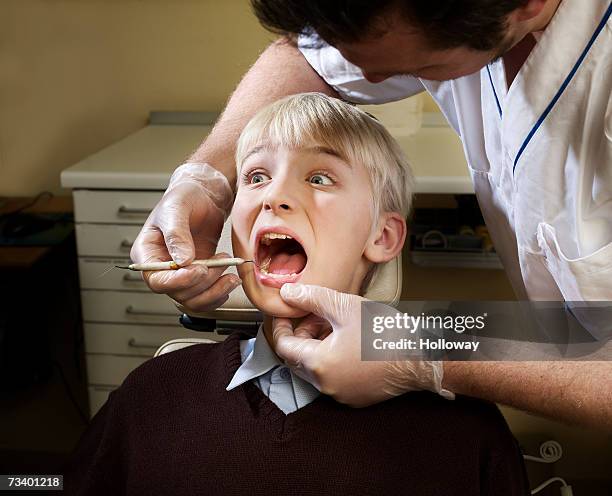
272, 274
266, 264
263, 268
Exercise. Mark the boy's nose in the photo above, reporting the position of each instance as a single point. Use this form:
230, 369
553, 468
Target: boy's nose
274, 205
280, 196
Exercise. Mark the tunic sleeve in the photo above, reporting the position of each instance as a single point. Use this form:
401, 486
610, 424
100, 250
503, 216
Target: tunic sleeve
347, 79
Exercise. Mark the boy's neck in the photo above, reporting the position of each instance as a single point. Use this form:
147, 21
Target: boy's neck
267, 328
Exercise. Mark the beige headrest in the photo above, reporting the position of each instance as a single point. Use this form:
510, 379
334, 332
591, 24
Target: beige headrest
385, 287
179, 344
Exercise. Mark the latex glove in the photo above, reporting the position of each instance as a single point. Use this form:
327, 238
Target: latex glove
333, 364
184, 225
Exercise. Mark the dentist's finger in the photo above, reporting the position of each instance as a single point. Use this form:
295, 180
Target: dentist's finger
312, 326
179, 240
174, 281
201, 284
149, 246
209, 298
198, 288
171, 218
324, 302
281, 327
310, 333
296, 351
208, 306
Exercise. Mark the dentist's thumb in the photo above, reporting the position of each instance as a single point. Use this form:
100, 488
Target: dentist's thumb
178, 239
333, 306
295, 351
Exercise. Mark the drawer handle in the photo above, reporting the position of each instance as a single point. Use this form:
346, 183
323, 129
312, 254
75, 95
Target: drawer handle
126, 243
123, 210
137, 344
132, 311
132, 278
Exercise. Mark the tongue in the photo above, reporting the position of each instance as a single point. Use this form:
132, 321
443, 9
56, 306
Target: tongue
284, 263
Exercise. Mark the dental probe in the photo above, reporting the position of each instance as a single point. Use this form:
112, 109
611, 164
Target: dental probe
172, 265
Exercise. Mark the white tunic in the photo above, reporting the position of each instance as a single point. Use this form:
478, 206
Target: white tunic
540, 152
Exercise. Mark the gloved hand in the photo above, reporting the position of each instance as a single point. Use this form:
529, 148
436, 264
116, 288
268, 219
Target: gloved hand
185, 225
333, 364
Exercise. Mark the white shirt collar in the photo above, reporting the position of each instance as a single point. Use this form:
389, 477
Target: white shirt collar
257, 359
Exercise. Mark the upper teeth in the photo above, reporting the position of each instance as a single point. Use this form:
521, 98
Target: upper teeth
267, 237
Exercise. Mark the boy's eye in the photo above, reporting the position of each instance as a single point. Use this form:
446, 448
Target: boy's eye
258, 177
321, 179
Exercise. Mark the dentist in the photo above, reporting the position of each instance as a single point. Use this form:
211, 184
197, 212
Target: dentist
527, 86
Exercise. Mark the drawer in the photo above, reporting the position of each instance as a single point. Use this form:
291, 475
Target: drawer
97, 397
94, 274
143, 340
114, 207
128, 307
110, 370
102, 240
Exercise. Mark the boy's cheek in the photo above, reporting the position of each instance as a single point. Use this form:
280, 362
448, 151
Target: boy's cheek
240, 238
242, 272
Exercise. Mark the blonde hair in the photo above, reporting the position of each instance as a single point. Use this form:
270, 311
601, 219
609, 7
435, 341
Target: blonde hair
315, 119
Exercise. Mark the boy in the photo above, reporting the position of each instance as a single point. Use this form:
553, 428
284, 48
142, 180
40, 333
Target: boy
322, 196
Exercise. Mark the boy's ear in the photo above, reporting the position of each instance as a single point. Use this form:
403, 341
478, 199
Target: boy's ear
388, 240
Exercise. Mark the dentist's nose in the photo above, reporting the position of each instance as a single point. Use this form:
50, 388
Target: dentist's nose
373, 77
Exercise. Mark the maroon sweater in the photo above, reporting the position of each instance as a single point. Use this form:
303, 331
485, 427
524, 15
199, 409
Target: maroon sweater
173, 429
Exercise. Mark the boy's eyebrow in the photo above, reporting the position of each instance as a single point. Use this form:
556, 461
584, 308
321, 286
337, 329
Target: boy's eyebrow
313, 149
328, 151
255, 150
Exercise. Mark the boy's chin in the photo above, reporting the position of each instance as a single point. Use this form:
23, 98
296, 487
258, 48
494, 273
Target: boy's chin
276, 307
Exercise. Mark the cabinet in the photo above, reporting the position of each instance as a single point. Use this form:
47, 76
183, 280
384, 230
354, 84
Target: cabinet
124, 323
114, 191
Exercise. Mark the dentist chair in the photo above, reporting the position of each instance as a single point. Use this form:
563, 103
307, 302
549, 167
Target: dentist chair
237, 313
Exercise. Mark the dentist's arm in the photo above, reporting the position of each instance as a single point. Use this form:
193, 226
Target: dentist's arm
187, 222
574, 392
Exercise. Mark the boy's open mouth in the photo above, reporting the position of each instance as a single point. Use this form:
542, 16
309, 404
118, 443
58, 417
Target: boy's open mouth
279, 256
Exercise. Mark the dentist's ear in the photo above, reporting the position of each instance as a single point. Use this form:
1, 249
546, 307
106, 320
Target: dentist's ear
531, 9
388, 240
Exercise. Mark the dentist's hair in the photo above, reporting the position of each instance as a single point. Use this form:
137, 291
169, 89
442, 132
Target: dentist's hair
315, 119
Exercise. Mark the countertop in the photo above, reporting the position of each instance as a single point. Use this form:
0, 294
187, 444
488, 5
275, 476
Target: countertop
145, 159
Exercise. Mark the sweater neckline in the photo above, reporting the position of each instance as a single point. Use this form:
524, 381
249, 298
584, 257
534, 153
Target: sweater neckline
262, 408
